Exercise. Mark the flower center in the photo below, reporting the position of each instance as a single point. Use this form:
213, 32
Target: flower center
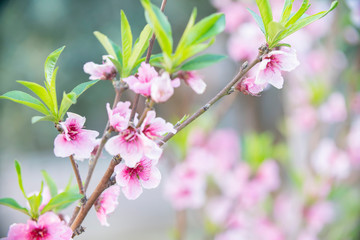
130, 134
39, 233
72, 131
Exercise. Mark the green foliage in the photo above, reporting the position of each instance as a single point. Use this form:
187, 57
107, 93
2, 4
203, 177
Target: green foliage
289, 23
201, 61
60, 200
50, 183
48, 104
12, 203
195, 38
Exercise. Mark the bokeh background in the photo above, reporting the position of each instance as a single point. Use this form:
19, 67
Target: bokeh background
31, 29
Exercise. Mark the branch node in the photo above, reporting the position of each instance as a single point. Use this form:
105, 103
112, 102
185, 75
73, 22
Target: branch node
117, 159
79, 230
206, 107
244, 65
83, 201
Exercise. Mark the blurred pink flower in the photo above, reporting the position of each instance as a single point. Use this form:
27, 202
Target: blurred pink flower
192, 79
267, 230
132, 146
162, 87
334, 109
119, 116
305, 117
318, 215
244, 43
154, 127
106, 203
141, 83
185, 188
272, 64
104, 71
74, 140
268, 175
143, 175
329, 161
48, 227
353, 142
235, 14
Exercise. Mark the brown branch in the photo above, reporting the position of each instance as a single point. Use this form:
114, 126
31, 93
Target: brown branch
149, 106
77, 175
225, 91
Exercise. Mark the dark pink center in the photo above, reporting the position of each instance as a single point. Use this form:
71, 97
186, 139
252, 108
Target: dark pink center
39, 233
130, 134
72, 131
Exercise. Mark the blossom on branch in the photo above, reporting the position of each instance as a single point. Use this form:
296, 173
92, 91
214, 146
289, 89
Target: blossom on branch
162, 87
48, 227
74, 140
104, 71
132, 179
192, 79
119, 116
106, 203
154, 127
272, 64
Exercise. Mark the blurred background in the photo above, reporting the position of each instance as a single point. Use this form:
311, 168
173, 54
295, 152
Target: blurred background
328, 51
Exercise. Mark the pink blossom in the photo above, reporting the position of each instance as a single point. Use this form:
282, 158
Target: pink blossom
132, 146
104, 71
218, 209
192, 79
305, 117
119, 116
162, 87
143, 175
266, 230
268, 175
155, 127
249, 87
353, 141
272, 64
235, 14
106, 203
48, 227
318, 215
141, 83
186, 187
334, 109
74, 140
329, 161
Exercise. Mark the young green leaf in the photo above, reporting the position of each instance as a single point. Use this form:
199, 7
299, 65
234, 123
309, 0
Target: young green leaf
187, 29
12, 203
50, 183
51, 62
82, 87
265, 12
304, 6
110, 47
27, 100
201, 61
286, 11
67, 100
60, 200
40, 91
274, 30
140, 47
258, 20
191, 51
52, 90
49, 118
161, 26
18, 172
126, 38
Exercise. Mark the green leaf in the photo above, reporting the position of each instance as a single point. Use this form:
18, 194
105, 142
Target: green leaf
82, 87
49, 118
265, 12
27, 100
286, 11
126, 38
9, 202
140, 47
35, 202
192, 50
306, 21
51, 62
50, 183
67, 100
60, 200
161, 26
107, 44
304, 6
258, 20
40, 91
18, 172
202, 61
274, 30
187, 29
52, 90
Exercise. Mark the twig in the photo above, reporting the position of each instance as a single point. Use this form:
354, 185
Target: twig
148, 107
77, 175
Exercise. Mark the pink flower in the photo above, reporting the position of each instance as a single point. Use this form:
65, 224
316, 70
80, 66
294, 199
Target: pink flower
192, 79
48, 227
329, 161
106, 203
104, 71
155, 127
353, 141
132, 146
119, 116
268, 175
318, 215
162, 87
249, 87
334, 109
143, 175
272, 64
142, 83
305, 117
268, 231
74, 140
235, 14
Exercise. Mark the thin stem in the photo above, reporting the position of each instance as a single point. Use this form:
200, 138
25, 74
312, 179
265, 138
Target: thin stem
77, 175
103, 184
75, 213
149, 106
225, 91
